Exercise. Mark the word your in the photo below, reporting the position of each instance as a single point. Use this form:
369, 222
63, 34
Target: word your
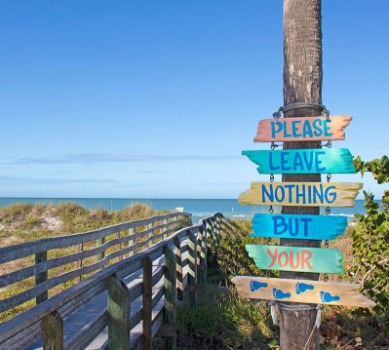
293, 260
302, 128
304, 259
298, 193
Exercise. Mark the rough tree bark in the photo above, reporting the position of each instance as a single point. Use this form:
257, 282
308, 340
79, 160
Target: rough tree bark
302, 83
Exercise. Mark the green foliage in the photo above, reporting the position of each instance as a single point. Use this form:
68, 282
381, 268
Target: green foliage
14, 212
33, 220
225, 320
249, 318
378, 167
371, 241
231, 255
200, 321
134, 212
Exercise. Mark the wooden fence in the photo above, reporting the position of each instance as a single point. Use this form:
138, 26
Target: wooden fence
122, 281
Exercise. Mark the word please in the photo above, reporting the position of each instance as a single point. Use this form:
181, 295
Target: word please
298, 193
300, 128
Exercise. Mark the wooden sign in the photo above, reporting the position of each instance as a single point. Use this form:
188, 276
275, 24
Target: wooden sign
301, 291
302, 259
298, 226
303, 161
311, 194
302, 129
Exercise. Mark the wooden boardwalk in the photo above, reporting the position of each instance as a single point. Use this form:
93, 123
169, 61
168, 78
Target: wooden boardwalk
129, 278
125, 279
85, 316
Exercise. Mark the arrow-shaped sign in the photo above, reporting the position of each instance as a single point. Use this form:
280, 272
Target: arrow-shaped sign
311, 194
302, 129
314, 227
303, 161
302, 259
301, 291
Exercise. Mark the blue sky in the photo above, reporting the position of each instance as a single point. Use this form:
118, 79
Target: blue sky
157, 99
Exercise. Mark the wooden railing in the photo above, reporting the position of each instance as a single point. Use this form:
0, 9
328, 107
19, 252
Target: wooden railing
125, 286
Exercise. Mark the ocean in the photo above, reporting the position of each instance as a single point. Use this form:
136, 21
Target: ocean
199, 208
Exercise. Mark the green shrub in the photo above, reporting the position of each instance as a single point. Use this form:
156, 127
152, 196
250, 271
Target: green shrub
231, 254
250, 319
371, 242
134, 212
32, 221
225, 320
15, 211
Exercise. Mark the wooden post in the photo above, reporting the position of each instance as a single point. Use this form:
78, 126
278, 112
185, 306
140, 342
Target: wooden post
52, 327
203, 254
170, 297
147, 302
99, 243
41, 277
80, 249
302, 84
119, 314
192, 277
151, 234
119, 246
131, 241
165, 227
208, 234
218, 230
179, 272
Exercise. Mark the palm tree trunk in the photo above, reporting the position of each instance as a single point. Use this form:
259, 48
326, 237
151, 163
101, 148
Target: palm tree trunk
302, 83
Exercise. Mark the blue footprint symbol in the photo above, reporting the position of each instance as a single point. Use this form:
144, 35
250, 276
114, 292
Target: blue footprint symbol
279, 294
255, 285
327, 297
303, 287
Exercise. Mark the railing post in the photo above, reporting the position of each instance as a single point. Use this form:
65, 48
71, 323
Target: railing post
211, 240
119, 246
179, 272
41, 277
170, 297
218, 229
151, 234
165, 227
80, 249
147, 302
119, 314
131, 242
52, 327
192, 277
203, 254
99, 243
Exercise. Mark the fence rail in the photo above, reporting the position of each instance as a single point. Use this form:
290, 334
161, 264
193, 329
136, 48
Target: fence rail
122, 297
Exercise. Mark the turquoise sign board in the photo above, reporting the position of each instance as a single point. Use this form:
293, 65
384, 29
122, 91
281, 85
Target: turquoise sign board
303, 161
298, 226
299, 259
